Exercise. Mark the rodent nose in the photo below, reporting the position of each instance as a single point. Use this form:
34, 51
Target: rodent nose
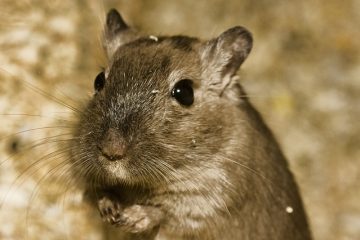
113, 147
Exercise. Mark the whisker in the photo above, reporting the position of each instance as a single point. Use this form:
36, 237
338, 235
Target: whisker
35, 191
44, 93
31, 130
35, 115
38, 143
63, 167
51, 97
31, 166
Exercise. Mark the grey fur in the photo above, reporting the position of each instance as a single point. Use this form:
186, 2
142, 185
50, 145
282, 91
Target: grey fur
209, 171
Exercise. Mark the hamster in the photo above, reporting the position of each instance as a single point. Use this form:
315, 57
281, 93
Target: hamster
169, 146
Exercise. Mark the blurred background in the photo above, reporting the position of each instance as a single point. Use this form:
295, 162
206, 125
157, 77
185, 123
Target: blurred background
303, 75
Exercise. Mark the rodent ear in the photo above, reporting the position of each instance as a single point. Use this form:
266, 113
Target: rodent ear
227, 52
116, 32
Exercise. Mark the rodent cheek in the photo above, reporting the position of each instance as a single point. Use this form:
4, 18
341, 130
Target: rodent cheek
209, 130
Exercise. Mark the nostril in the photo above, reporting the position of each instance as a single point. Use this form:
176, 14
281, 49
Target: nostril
113, 151
113, 146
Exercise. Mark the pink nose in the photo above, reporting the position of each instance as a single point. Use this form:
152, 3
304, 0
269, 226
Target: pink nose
113, 147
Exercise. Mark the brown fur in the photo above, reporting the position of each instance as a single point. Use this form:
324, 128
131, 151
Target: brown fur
209, 171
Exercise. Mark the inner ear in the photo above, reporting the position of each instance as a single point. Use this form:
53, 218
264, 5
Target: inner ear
116, 32
227, 52
114, 24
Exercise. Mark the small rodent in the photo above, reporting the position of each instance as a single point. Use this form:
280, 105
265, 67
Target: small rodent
169, 147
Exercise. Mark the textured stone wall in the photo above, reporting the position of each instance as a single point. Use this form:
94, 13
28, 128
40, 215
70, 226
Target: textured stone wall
303, 75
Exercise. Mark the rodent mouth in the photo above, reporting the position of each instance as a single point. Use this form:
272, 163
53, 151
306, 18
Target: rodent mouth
117, 169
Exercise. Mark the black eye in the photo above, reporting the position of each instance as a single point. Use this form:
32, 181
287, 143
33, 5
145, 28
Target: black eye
183, 92
99, 82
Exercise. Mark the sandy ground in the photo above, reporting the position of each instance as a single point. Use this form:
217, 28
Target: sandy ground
303, 75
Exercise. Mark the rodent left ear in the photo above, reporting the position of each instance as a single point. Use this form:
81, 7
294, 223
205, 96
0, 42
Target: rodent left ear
116, 32
227, 52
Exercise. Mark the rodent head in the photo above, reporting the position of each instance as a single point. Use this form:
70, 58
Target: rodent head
160, 106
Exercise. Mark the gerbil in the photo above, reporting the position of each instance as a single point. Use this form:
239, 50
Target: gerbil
169, 147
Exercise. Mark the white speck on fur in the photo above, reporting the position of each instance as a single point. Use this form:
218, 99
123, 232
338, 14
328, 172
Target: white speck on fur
289, 209
154, 38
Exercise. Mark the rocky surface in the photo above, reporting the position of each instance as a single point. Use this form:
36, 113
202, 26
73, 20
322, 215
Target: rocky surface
303, 75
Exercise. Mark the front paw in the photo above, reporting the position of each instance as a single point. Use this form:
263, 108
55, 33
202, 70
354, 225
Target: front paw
133, 219
138, 219
110, 210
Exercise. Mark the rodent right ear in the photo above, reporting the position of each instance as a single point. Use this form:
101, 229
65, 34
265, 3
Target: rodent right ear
116, 32
227, 52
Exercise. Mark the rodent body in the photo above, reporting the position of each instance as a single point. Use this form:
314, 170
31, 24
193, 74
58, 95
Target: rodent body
165, 166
